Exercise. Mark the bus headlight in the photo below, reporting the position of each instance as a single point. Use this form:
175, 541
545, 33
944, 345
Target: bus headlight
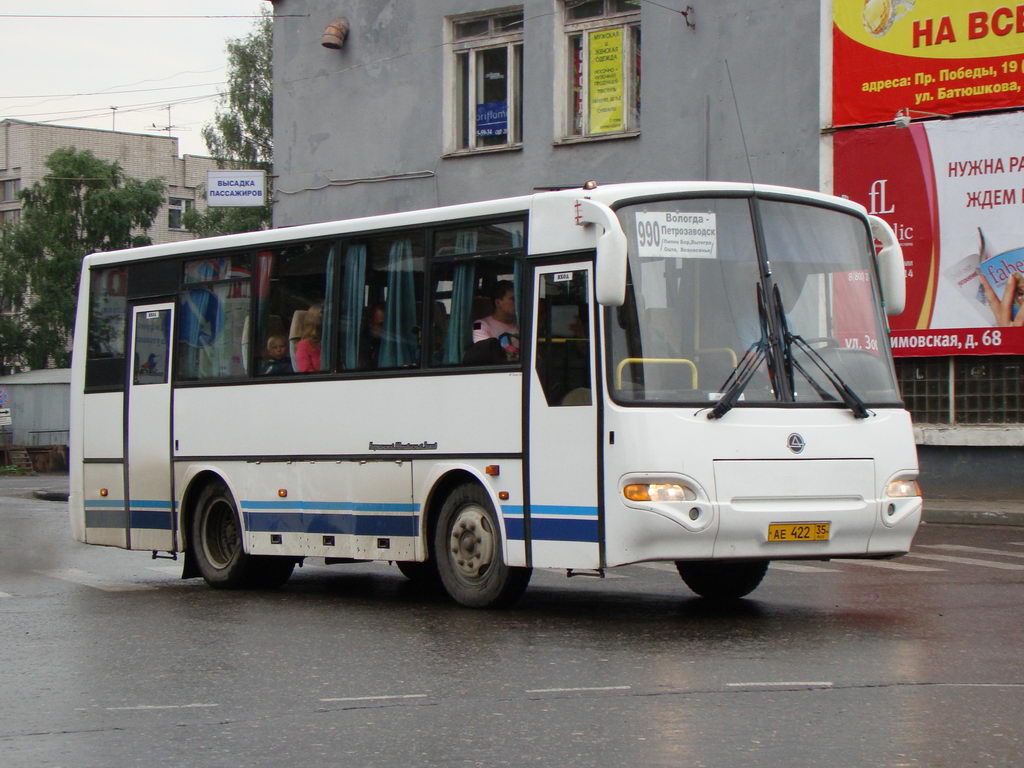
659, 492
902, 489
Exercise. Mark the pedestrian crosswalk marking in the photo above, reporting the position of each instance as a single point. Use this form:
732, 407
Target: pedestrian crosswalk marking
798, 568
889, 565
976, 550
86, 579
968, 561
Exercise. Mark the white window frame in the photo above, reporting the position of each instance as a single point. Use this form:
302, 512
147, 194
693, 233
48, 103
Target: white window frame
628, 21
182, 204
460, 105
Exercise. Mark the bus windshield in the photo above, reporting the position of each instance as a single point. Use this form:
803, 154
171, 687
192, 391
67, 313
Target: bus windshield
778, 293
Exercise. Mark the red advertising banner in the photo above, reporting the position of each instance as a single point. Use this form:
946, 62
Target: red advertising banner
953, 191
925, 56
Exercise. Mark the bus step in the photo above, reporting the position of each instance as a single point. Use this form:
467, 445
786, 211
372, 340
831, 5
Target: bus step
596, 573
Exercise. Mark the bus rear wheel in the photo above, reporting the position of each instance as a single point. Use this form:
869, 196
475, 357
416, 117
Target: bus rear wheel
718, 580
216, 541
467, 548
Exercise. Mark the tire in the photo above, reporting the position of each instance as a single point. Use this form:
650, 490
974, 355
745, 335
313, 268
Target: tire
216, 542
717, 580
467, 550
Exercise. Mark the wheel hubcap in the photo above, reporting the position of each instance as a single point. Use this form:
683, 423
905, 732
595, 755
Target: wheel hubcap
220, 540
471, 543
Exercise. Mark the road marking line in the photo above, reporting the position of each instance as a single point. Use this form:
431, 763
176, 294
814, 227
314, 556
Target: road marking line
4, 594
174, 570
891, 566
791, 684
143, 708
968, 561
977, 550
581, 690
670, 567
797, 568
379, 698
86, 579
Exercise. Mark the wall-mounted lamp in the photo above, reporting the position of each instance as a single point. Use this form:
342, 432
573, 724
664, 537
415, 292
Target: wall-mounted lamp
904, 116
335, 34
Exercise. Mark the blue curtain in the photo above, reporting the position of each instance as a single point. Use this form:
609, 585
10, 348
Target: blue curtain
460, 331
329, 318
398, 348
352, 289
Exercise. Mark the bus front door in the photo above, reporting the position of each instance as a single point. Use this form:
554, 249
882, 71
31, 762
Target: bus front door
148, 471
563, 521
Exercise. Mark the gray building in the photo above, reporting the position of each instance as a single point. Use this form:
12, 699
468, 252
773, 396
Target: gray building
449, 101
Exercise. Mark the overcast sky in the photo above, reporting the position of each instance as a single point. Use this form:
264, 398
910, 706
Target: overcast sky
67, 67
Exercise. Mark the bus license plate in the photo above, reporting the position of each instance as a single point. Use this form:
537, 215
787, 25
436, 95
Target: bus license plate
789, 532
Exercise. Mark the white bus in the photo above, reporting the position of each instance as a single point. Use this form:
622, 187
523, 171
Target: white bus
696, 373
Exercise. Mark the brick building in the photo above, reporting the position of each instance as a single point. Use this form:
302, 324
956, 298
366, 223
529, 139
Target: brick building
25, 146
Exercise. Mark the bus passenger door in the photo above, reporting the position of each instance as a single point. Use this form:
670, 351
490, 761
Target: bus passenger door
562, 520
148, 484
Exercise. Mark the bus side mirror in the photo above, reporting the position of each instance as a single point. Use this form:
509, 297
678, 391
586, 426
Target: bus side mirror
890, 267
610, 272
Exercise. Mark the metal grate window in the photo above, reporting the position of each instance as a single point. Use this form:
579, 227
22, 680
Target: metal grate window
989, 390
924, 383
963, 390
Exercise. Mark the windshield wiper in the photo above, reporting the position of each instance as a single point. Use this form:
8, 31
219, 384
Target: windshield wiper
850, 398
745, 369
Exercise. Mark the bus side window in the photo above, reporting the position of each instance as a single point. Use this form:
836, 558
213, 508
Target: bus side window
105, 358
563, 339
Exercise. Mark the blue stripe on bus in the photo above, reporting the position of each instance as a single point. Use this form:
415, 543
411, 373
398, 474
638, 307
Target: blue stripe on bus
358, 525
147, 514
572, 523
331, 506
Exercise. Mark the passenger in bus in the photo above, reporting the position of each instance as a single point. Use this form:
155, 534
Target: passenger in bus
277, 362
373, 334
307, 351
502, 321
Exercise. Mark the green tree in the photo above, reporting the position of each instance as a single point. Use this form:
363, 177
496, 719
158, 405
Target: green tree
241, 134
82, 206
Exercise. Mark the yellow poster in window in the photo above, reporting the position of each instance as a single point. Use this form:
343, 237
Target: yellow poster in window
606, 81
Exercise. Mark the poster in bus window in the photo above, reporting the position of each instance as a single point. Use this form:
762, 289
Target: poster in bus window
953, 192
943, 56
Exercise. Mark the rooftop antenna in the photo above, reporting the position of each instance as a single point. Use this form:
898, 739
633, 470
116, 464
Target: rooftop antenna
168, 127
739, 119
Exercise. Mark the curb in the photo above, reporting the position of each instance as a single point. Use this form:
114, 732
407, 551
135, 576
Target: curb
51, 495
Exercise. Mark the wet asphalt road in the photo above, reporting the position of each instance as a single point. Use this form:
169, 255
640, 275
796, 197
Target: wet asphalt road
110, 660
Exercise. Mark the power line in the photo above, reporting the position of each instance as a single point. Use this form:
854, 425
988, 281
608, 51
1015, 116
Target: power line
130, 16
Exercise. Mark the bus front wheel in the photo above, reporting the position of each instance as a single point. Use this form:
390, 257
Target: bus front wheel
722, 580
467, 547
216, 543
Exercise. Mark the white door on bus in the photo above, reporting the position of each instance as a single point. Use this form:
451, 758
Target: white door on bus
148, 434
563, 521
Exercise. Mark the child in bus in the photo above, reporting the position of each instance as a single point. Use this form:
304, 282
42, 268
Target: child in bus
277, 362
307, 351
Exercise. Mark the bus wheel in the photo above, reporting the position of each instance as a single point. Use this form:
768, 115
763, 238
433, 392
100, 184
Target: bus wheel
719, 580
216, 542
467, 546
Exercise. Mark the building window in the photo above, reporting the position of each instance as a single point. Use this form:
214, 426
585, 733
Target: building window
488, 75
11, 217
963, 390
9, 189
176, 208
602, 51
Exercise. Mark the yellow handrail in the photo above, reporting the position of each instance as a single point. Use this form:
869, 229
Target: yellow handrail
663, 360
